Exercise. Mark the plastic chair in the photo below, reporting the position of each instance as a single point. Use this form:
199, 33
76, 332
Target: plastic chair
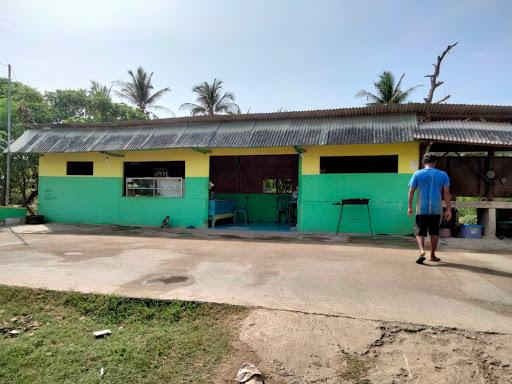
241, 216
283, 205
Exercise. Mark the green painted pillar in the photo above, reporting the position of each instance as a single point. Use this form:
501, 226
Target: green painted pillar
299, 197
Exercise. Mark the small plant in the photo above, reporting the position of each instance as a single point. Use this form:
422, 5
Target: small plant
469, 219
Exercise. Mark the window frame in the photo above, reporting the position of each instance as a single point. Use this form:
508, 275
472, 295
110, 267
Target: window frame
154, 188
279, 182
154, 171
68, 163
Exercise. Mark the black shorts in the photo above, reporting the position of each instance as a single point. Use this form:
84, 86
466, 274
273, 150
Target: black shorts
428, 223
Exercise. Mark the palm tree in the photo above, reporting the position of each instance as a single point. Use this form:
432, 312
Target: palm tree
211, 100
97, 87
138, 91
387, 91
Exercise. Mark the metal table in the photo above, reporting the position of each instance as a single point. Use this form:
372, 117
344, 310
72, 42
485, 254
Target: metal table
353, 202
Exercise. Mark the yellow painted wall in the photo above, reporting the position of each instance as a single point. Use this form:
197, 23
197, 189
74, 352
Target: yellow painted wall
54, 164
198, 165
408, 155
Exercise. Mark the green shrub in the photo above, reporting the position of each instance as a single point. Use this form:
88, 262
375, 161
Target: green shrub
468, 219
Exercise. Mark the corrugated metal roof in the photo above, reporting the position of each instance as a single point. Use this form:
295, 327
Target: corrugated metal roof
436, 111
471, 132
245, 134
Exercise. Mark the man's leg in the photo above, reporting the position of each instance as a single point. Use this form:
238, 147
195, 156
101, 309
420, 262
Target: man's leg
433, 229
421, 244
434, 240
420, 229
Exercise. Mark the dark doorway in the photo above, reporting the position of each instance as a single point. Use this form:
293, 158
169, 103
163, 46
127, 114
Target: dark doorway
263, 185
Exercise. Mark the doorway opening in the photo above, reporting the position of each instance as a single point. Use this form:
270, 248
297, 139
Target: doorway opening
257, 192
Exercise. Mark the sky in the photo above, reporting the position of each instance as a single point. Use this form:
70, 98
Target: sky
273, 54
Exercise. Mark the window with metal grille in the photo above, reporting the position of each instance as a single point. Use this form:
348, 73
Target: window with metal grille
154, 178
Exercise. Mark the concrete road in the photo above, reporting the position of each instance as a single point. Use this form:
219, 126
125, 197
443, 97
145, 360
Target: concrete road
379, 281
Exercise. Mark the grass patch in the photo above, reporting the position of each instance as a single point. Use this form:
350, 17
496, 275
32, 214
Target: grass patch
353, 369
152, 341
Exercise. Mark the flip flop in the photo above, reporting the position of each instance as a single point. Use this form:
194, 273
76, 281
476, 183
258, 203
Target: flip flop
435, 258
420, 260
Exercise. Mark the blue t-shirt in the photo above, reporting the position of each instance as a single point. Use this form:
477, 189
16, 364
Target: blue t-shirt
429, 182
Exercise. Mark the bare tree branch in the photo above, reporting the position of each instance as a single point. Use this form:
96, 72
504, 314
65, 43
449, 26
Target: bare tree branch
442, 100
433, 77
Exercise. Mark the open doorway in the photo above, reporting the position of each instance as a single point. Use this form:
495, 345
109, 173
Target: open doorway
261, 191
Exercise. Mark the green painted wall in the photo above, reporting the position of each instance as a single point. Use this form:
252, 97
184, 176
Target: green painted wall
388, 202
299, 196
99, 200
8, 212
260, 206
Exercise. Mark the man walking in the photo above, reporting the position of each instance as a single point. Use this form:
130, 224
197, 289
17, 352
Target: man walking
432, 185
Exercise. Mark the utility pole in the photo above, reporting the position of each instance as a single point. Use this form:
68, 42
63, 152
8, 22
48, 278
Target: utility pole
8, 173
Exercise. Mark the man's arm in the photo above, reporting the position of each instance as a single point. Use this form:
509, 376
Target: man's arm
413, 184
448, 201
411, 198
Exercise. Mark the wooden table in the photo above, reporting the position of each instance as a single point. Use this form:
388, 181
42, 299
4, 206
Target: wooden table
488, 209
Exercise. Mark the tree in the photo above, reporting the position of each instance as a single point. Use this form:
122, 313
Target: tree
68, 105
29, 107
82, 106
433, 77
97, 87
138, 91
387, 91
101, 108
211, 100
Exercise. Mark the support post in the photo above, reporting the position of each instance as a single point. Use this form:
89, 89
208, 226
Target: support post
8, 160
489, 222
489, 215
491, 165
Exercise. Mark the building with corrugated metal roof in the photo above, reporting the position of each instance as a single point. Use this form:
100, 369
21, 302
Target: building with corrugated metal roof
285, 168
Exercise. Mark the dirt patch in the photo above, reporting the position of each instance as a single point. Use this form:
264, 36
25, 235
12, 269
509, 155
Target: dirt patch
240, 353
299, 348
19, 324
325, 238
408, 354
304, 348
167, 279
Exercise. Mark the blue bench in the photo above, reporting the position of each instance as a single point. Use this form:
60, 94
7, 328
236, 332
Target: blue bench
220, 209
